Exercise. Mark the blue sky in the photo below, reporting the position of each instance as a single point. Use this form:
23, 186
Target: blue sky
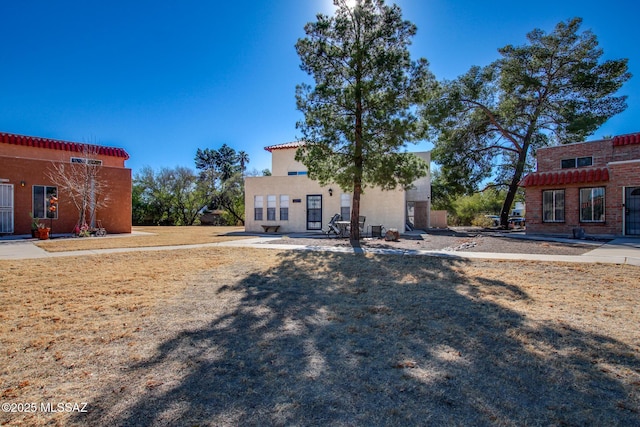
164, 78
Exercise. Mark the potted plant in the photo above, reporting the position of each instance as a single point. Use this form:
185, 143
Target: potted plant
43, 232
35, 225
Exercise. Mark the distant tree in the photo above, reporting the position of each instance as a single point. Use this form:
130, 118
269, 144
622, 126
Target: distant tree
442, 194
169, 197
466, 208
222, 170
81, 182
358, 116
553, 90
243, 159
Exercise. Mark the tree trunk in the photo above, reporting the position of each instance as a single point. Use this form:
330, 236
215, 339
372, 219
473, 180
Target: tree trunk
354, 234
513, 186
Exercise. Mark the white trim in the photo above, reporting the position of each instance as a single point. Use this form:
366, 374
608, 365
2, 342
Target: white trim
622, 162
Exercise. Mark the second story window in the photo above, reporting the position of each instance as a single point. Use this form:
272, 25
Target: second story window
578, 162
584, 161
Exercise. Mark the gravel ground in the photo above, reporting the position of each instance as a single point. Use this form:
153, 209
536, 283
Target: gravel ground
451, 240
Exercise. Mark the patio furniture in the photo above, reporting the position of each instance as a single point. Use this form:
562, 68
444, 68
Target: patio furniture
377, 230
344, 228
332, 228
266, 228
361, 220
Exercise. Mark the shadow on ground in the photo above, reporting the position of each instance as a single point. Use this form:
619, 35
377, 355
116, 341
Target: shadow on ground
344, 339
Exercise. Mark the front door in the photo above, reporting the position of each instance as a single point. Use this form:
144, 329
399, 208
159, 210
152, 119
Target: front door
632, 211
6, 208
314, 212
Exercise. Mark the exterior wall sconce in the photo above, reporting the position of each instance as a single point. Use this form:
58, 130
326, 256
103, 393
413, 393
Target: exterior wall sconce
330, 192
22, 183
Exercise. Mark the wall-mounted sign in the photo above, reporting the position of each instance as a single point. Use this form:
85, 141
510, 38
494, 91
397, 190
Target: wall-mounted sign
297, 200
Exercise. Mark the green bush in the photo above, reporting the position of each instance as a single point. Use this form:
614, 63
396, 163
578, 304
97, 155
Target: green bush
482, 221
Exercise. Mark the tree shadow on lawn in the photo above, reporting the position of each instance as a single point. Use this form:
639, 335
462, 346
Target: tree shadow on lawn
344, 339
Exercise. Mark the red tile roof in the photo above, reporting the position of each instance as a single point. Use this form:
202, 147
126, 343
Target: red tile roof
294, 144
32, 141
573, 176
629, 139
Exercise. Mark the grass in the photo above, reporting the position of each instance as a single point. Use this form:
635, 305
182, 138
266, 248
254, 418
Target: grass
150, 236
237, 336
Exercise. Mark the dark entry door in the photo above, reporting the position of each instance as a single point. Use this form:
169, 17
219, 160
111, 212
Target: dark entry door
314, 212
632, 211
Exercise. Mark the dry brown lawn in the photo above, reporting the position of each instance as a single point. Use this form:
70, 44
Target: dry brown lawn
153, 236
237, 336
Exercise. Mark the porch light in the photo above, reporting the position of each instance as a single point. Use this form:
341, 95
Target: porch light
330, 192
22, 183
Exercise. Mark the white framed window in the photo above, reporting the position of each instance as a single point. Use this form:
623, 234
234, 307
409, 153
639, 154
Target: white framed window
258, 204
345, 206
271, 208
284, 207
553, 206
40, 197
592, 204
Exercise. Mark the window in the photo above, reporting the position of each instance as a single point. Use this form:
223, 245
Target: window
579, 162
553, 206
41, 196
271, 208
257, 208
592, 204
284, 207
293, 173
585, 161
345, 206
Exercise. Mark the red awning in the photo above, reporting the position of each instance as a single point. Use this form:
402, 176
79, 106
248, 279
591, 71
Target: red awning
566, 177
626, 139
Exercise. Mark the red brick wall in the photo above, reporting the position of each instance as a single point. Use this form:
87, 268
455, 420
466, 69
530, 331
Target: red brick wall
571, 212
623, 174
12, 150
116, 218
603, 152
623, 165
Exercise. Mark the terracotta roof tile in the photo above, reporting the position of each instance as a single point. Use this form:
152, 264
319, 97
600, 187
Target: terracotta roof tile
53, 144
294, 144
574, 176
629, 139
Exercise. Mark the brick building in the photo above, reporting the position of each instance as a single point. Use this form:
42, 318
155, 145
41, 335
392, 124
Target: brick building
25, 187
587, 187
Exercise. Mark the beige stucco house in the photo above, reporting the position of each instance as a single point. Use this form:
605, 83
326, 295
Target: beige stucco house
295, 203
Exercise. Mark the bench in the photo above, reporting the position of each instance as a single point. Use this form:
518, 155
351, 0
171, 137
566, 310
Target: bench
266, 228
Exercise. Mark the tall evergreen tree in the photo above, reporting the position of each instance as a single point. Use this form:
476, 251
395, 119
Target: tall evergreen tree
553, 90
222, 169
358, 116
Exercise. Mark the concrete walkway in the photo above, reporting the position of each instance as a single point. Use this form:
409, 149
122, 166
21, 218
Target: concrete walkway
618, 251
